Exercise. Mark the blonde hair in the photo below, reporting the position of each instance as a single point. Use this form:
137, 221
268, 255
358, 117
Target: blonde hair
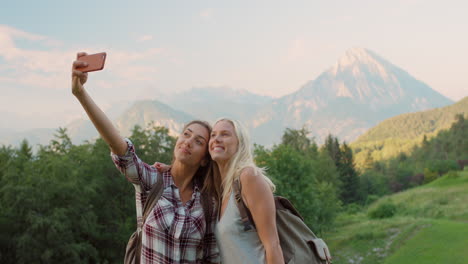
242, 159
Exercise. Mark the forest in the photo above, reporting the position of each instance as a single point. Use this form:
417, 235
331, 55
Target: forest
67, 203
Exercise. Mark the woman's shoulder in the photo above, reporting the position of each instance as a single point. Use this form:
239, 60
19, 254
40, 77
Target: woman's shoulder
251, 176
248, 171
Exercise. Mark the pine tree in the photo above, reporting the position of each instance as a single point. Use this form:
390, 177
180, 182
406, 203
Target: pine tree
348, 176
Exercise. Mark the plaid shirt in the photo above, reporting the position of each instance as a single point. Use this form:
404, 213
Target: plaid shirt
173, 232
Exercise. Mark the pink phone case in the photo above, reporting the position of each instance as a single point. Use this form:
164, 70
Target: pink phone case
95, 62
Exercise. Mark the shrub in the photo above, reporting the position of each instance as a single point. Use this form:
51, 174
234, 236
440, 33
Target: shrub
452, 175
384, 210
353, 208
429, 175
371, 198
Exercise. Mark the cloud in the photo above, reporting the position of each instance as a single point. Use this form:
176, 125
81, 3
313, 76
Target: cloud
8, 35
145, 38
50, 68
28, 66
35, 74
207, 14
13, 32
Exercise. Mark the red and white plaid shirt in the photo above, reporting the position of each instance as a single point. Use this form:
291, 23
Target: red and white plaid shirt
173, 232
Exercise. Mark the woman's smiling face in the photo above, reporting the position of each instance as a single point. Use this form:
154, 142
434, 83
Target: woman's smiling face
191, 146
223, 142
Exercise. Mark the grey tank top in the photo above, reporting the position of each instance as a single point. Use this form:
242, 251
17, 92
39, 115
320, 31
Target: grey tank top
236, 245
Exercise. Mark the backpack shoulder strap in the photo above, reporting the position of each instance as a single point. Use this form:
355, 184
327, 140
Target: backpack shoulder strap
153, 196
246, 216
282, 203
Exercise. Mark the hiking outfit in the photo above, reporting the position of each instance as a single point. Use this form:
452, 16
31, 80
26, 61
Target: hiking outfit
235, 244
173, 232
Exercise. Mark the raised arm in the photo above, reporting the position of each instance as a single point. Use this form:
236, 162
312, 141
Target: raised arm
104, 126
258, 197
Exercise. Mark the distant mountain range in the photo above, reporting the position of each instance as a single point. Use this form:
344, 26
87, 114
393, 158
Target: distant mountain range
359, 91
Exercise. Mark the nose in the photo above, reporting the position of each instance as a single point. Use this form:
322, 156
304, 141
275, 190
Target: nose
188, 142
216, 138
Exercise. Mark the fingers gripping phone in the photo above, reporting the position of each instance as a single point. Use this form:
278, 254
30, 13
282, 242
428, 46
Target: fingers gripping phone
95, 62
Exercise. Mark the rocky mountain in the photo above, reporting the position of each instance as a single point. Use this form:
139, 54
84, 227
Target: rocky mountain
211, 103
359, 91
142, 113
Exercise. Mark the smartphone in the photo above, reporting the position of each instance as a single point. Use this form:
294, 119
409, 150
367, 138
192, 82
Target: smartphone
95, 62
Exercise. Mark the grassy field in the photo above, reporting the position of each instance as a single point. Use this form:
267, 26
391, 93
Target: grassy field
440, 242
430, 225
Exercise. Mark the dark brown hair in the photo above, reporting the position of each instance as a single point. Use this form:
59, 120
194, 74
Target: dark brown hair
207, 177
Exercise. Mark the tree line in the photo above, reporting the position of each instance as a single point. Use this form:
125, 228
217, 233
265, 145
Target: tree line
68, 203
425, 162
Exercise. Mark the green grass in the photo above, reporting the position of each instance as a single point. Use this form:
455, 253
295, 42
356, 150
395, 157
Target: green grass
367, 241
429, 219
444, 198
441, 242
450, 179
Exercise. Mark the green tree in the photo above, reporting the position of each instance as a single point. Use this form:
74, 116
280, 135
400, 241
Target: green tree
153, 143
332, 147
343, 158
303, 176
67, 203
298, 139
348, 176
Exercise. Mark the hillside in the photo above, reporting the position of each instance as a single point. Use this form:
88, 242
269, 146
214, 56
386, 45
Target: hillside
400, 134
211, 103
410, 125
428, 227
145, 112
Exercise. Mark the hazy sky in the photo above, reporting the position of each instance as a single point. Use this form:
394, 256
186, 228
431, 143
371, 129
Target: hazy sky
267, 47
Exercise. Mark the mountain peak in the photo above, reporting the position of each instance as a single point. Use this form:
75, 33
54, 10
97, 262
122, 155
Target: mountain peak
356, 58
365, 78
355, 54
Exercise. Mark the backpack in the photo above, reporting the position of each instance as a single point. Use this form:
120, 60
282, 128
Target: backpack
133, 249
298, 243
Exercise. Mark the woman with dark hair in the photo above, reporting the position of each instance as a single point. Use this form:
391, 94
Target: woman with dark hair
176, 230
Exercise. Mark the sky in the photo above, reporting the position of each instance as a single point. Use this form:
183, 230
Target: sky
160, 47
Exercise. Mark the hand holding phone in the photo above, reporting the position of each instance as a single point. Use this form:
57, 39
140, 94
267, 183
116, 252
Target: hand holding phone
95, 62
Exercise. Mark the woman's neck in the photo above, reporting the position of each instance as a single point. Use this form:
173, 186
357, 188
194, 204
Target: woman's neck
223, 168
183, 175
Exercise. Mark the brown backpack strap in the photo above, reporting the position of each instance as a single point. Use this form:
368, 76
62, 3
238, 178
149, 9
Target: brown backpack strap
246, 216
154, 195
133, 250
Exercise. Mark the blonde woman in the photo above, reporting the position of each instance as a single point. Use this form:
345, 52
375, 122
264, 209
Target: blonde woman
229, 147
